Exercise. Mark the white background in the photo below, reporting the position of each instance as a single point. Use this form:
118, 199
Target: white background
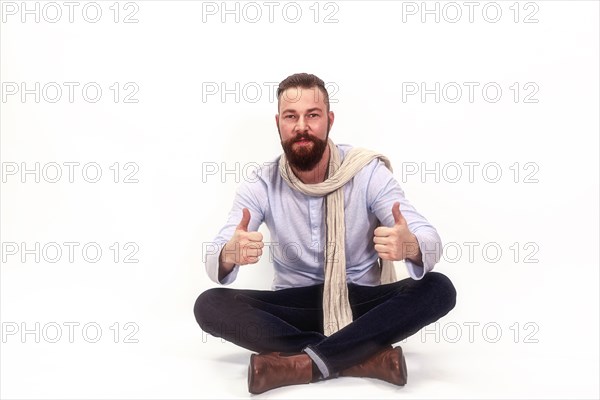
538, 305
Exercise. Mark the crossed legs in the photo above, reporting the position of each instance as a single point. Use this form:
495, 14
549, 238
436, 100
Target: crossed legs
290, 320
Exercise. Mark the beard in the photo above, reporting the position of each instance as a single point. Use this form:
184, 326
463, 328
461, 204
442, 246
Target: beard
307, 156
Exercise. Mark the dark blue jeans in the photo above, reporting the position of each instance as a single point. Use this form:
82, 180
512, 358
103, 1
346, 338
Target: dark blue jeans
291, 320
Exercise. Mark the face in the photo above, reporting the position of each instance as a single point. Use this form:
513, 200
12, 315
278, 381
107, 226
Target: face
303, 123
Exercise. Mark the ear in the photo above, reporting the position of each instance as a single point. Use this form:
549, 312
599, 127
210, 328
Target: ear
277, 120
331, 117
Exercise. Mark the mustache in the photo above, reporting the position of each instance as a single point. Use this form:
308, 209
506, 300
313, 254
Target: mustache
303, 136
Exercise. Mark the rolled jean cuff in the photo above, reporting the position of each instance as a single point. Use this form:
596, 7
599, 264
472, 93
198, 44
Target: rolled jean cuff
319, 362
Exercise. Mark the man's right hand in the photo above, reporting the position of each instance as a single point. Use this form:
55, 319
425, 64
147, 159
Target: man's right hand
244, 247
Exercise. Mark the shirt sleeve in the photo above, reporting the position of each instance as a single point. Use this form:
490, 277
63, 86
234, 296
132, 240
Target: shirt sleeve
250, 195
382, 192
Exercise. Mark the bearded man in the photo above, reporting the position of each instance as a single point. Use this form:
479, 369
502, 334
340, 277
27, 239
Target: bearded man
338, 219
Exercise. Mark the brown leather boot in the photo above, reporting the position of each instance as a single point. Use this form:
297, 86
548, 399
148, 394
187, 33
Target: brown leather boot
272, 370
388, 365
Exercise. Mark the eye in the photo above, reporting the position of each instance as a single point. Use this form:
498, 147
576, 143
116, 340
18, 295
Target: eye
313, 115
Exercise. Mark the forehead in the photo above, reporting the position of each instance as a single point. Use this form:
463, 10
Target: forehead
299, 99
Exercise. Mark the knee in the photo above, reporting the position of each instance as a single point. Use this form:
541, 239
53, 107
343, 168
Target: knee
208, 306
443, 290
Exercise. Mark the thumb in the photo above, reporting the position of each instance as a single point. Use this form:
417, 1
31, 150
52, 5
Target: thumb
243, 225
398, 218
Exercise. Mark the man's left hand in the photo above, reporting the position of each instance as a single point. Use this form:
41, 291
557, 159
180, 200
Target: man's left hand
396, 243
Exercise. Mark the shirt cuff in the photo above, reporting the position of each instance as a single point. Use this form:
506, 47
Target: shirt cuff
431, 251
415, 271
212, 269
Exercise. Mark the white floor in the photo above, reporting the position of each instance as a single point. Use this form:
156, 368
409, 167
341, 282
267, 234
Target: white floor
174, 359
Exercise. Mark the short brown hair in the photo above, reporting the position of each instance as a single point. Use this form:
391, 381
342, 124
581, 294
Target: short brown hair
305, 81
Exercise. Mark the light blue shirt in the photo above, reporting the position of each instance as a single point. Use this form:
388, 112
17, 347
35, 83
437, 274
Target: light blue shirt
297, 226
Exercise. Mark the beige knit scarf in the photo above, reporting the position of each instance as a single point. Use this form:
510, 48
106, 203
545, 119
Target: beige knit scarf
336, 306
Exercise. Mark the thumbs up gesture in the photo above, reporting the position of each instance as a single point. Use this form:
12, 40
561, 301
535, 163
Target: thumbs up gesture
244, 247
396, 243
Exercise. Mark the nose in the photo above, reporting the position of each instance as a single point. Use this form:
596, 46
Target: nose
300, 125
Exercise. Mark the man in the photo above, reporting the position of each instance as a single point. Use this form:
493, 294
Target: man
333, 212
